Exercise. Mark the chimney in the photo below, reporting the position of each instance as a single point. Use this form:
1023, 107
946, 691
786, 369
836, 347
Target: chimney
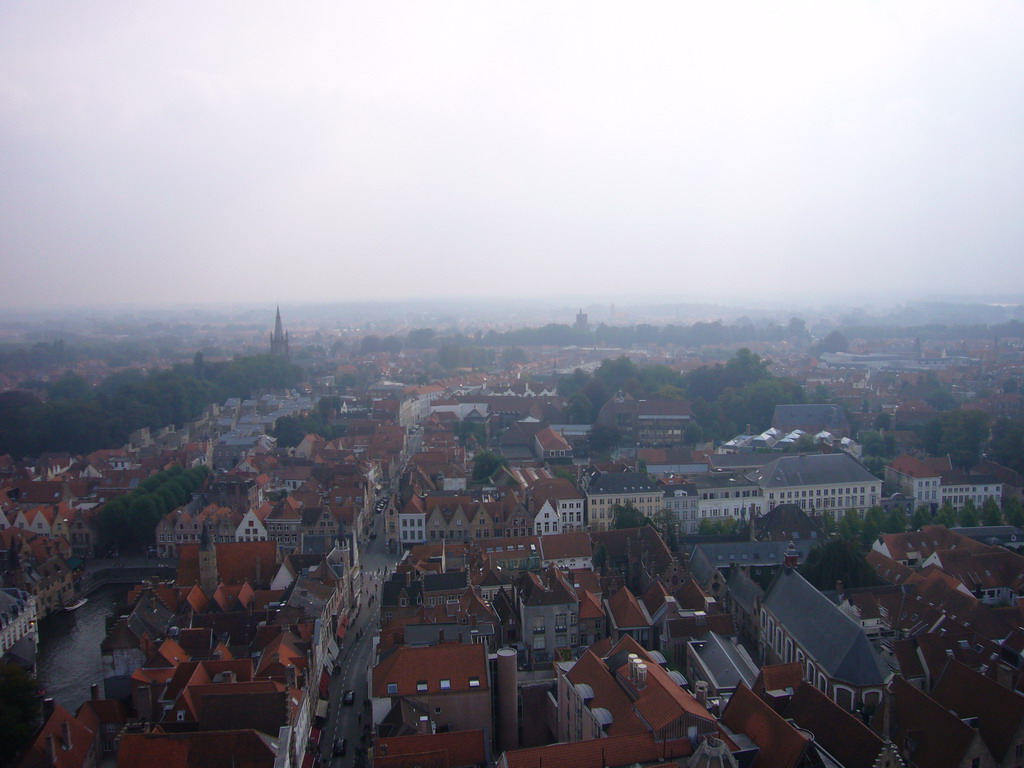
65, 733
791, 559
839, 589
51, 748
289, 675
94, 692
641, 675
702, 692
48, 705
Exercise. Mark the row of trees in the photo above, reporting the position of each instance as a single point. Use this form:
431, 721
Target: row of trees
130, 521
725, 398
77, 418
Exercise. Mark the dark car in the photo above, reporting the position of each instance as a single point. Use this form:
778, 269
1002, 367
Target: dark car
340, 747
349, 698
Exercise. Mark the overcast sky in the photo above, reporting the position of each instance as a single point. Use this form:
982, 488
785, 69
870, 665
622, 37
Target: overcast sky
247, 151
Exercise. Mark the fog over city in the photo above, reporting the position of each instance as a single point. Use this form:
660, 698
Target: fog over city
220, 153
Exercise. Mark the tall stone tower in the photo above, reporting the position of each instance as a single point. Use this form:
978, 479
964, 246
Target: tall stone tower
279, 339
208, 578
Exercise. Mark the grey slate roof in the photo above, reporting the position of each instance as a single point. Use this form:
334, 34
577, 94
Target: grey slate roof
744, 590
393, 588
815, 469
836, 642
739, 461
752, 553
621, 482
727, 663
445, 582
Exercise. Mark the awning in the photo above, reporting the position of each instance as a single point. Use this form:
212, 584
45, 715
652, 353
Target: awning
314, 735
325, 684
307, 761
342, 630
321, 709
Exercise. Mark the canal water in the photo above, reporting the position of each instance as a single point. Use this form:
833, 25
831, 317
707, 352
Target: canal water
69, 658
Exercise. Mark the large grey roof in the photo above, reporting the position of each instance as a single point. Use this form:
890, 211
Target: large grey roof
814, 469
738, 460
445, 582
621, 482
727, 663
752, 553
836, 641
744, 590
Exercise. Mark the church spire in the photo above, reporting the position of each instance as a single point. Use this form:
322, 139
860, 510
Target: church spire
279, 339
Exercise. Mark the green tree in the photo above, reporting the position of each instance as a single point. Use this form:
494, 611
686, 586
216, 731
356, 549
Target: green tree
19, 711
580, 410
604, 439
693, 433
990, 512
1013, 511
872, 525
485, 464
968, 517
922, 517
957, 433
600, 558
946, 515
627, 516
896, 521
838, 560
850, 526
725, 526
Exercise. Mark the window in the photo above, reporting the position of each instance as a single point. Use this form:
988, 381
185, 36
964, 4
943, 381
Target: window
392, 688
446, 684
421, 685
474, 682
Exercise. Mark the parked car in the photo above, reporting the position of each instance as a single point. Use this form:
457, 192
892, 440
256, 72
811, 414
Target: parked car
349, 698
340, 747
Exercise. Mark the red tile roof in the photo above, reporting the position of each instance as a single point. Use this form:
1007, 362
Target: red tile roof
407, 666
781, 745
453, 749
610, 752
209, 749
237, 562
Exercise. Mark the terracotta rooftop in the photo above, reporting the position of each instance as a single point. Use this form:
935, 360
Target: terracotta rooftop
407, 667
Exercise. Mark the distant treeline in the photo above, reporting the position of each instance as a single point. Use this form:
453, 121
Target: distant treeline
724, 397
695, 335
77, 418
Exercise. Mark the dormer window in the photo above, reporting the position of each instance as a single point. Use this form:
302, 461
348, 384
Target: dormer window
474, 682
446, 684
392, 688
421, 685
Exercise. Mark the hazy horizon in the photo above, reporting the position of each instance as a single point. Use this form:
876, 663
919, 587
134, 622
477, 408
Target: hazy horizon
212, 154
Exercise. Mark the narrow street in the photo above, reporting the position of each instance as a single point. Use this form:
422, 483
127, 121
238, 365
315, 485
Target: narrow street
347, 722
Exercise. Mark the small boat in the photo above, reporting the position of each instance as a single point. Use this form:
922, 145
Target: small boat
77, 604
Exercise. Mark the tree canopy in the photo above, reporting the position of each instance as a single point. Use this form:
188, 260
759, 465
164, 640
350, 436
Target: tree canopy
838, 560
80, 419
